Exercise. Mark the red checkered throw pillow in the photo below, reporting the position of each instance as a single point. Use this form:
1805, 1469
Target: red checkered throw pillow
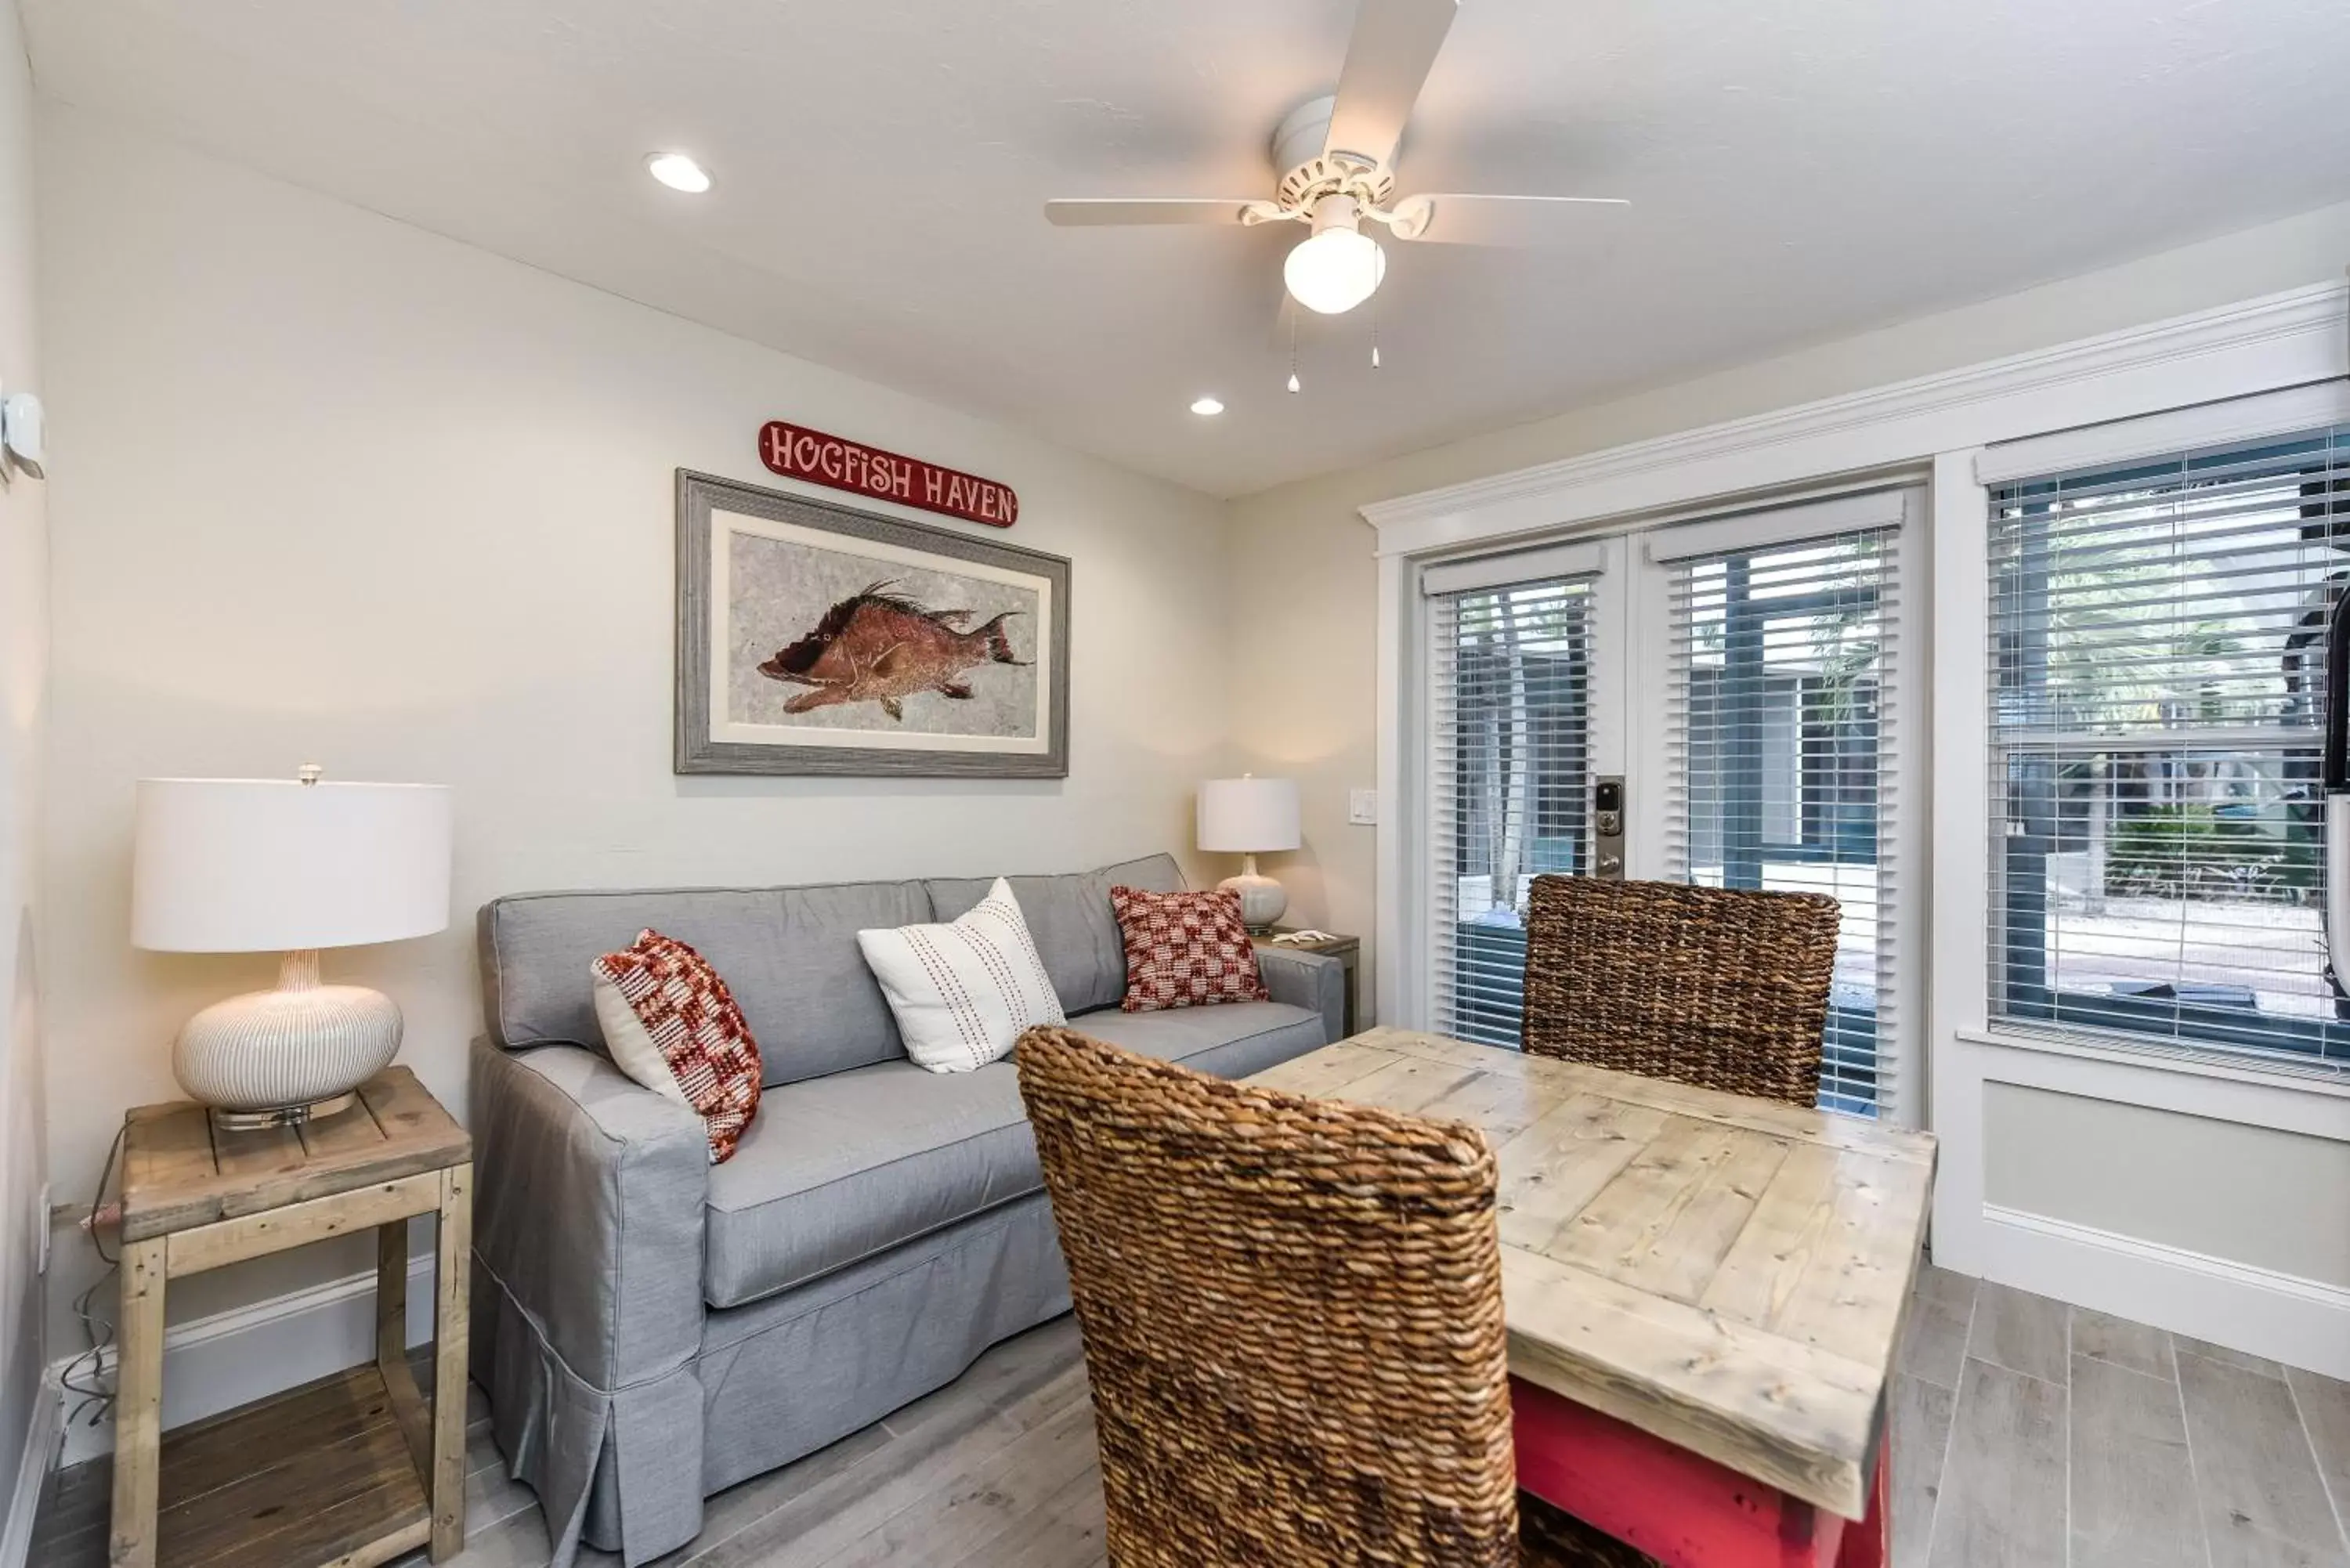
1185, 950
672, 1025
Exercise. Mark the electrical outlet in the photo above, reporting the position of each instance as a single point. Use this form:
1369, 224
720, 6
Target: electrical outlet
1363, 807
41, 1229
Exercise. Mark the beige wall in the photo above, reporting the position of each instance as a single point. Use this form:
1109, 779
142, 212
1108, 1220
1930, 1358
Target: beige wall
332, 489
1305, 597
24, 644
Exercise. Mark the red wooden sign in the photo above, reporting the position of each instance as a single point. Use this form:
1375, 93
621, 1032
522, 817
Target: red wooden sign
820, 459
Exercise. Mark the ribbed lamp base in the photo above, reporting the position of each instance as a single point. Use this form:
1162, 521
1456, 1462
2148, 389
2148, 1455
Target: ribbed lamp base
272, 1056
1263, 900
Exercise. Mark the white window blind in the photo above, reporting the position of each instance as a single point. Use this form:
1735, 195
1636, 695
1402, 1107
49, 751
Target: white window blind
1782, 743
2156, 819
1509, 785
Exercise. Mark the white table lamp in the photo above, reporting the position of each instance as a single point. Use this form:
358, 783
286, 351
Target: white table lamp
1253, 817
285, 866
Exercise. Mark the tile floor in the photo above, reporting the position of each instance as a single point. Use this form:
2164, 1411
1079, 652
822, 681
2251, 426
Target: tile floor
2031, 1434
2025, 1435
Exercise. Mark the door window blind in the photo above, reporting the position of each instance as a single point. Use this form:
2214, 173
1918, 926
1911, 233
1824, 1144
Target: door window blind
2156, 648
1509, 785
1783, 743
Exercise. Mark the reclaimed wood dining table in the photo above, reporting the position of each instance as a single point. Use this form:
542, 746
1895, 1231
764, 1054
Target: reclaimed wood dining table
1703, 1292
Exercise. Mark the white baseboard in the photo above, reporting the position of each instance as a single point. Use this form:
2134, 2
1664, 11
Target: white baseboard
231, 1358
41, 1435
2301, 1322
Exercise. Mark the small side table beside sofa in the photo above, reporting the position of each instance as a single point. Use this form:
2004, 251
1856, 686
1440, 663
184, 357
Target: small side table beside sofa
1348, 950
354, 1470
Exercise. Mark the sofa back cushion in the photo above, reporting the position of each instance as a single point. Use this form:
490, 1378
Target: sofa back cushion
1069, 917
788, 954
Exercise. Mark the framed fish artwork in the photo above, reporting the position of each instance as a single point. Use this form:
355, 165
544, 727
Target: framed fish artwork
818, 639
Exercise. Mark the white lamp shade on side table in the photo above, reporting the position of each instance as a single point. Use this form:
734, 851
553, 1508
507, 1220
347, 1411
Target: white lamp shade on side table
282, 866
264, 866
1251, 816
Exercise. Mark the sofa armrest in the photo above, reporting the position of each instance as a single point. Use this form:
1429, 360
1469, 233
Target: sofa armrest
588, 1208
1315, 982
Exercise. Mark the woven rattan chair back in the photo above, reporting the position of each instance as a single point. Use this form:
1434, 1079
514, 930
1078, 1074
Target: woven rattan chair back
1712, 986
1292, 1315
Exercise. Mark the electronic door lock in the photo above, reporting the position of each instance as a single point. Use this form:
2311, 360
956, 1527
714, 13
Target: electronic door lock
1607, 826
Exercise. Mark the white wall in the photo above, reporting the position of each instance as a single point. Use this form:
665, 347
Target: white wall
2262, 1196
1304, 589
329, 488
23, 645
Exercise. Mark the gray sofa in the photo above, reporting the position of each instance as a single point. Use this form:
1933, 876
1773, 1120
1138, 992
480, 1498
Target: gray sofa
652, 1329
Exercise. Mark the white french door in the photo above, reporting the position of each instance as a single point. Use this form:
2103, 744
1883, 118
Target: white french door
1730, 702
1525, 703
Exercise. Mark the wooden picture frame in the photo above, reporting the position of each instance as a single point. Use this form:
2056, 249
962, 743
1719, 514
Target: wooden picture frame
899, 648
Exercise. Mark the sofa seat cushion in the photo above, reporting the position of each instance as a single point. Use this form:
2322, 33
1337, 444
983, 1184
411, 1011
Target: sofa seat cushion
839, 1168
1230, 1041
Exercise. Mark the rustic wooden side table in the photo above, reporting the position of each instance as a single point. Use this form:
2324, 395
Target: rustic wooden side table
1348, 950
350, 1471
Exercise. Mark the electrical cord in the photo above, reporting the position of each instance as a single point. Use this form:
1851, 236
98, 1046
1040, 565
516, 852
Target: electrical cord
87, 1377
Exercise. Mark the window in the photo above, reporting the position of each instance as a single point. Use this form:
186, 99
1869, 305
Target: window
1510, 752
1782, 748
2155, 820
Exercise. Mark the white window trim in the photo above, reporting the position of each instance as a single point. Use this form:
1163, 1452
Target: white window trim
2276, 342
2233, 420
2162, 1055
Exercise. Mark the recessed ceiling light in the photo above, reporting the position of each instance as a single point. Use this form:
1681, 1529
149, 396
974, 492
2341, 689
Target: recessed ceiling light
1205, 407
678, 172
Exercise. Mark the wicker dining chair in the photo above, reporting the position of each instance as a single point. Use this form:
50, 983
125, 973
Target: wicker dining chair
1291, 1316
1713, 986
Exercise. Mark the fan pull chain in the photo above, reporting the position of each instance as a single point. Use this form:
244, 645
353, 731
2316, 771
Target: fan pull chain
1375, 331
1293, 384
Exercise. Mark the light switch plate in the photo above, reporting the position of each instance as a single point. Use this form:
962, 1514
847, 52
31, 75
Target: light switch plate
1363, 807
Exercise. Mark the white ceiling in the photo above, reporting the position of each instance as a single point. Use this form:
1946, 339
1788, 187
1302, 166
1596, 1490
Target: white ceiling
1801, 169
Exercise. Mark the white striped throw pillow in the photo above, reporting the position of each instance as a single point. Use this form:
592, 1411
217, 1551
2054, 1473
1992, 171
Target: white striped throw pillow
963, 992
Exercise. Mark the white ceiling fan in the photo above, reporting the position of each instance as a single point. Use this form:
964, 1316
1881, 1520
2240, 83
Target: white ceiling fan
1336, 157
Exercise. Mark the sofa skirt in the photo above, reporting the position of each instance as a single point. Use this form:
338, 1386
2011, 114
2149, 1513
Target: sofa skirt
625, 1469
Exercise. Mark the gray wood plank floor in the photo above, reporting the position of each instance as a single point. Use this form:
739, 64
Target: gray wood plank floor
2025, 1435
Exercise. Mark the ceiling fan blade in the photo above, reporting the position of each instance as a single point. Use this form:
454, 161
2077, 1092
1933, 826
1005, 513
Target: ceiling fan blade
1388, 59
1457, 220
1087, 212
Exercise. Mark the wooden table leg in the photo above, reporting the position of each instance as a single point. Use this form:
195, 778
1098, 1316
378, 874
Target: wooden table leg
450, 1329
391, 1296
1683, 1509
408, 1406
138, 1405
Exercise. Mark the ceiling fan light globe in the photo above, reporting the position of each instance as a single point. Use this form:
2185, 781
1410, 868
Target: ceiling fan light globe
1334, 270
